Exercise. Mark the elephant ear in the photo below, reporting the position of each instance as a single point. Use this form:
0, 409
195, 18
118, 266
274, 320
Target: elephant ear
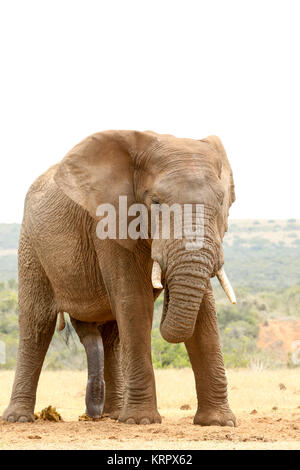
100, 169
226, 178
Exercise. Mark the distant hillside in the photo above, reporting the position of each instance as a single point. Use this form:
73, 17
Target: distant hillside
263, 254
9, 236
259, 254
275, 231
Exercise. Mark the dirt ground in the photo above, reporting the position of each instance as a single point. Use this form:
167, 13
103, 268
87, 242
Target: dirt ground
267, 405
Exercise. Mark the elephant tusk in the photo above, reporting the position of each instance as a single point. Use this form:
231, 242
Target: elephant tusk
156, 276
61, 321
224, 281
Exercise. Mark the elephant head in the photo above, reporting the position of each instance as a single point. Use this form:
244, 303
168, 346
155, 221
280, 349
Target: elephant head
150, 168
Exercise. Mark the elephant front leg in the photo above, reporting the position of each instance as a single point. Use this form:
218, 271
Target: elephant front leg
140, 406
207, 362
127, 279
90, 337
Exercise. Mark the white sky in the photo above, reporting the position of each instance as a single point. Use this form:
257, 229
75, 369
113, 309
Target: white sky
190, 68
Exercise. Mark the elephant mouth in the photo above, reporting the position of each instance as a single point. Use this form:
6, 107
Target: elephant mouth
158, 279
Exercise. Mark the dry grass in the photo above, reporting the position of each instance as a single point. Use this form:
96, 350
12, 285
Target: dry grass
248, 390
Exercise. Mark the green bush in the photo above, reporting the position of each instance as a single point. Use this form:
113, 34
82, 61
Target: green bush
168, 355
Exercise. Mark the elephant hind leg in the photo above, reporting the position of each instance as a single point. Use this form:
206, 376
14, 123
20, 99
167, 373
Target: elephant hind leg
114, 381
90, 337
37, 319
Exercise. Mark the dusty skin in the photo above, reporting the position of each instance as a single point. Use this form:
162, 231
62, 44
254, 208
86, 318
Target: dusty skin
268, 415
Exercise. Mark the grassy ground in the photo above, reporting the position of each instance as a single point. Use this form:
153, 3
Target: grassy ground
268, 415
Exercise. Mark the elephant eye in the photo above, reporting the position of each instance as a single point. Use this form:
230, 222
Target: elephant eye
220, 197
155, 200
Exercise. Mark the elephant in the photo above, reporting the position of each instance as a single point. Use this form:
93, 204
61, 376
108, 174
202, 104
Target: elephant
108, 285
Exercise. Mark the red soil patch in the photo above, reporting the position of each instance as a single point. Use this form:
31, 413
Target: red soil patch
278, 336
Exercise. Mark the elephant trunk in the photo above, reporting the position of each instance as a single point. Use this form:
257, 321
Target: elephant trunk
187, 276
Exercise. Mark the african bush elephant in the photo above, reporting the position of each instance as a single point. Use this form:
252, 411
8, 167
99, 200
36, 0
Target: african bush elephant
105, 284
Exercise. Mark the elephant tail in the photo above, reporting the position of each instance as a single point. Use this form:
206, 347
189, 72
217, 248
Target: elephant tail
61, 321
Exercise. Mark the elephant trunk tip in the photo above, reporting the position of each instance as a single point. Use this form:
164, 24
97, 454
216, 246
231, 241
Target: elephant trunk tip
171, 337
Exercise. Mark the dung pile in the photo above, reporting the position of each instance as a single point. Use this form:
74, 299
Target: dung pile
49, 414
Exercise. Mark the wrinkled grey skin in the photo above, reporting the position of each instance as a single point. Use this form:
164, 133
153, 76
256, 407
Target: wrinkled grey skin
105, 285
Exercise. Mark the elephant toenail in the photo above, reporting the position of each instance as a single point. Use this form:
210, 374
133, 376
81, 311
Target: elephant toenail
11, 419
22, 419
230, 423
145, 421
130, 421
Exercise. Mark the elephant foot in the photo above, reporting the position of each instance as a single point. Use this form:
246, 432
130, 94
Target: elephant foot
112, 413
18, 413
112, 408
93, 413
132, 415
94, 410
94, 398
207, 417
